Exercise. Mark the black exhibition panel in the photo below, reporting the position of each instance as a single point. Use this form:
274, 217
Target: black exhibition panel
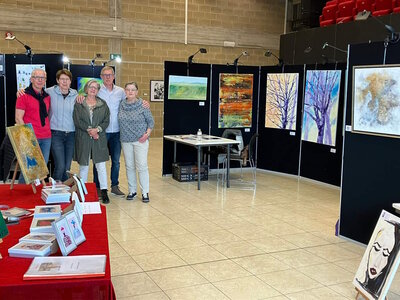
184, 116
247, 133
83, 71
3, 117
370, 162
324, 162
53, 63
278, 149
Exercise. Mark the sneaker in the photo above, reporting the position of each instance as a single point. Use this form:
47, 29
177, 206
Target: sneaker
131, 196
104, 196
116, 191
99, 194
145, 198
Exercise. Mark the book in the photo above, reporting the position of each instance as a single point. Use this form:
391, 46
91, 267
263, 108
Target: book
62, 267
42, 225
27, 249
39, 238
46, 211
55, 195
15, 212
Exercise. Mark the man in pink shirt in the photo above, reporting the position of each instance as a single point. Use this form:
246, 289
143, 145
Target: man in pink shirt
33, 107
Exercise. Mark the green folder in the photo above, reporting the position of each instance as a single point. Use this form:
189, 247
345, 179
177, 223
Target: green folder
3, 227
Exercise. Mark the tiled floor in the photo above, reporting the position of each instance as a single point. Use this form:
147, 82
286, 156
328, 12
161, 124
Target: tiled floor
275, 242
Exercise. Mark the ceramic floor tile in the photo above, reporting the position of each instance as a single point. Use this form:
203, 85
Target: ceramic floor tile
199, 254
201, 226
345, 289
316, 294
237, 249
246, 288
151, 296
218, 237
298, 258
304, 240
289, 281
174, 278
167, 230
133, 284
350, 265
259, 264
158, 260
203, 292
123, 265
137, 247
333, 253
131, 234
116, 250
327, 274
273, 244
181, 241
220, 270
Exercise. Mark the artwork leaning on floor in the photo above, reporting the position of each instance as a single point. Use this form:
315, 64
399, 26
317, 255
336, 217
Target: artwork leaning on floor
281, 100
376, 100
235, 100
187, 88
381, 258
27, 150
321, 101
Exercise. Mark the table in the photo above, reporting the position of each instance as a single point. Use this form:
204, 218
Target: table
12, 269
203, 141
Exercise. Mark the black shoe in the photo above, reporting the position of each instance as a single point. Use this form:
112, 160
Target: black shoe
131, 196
99, 194
116, 191
145, 198
104, 196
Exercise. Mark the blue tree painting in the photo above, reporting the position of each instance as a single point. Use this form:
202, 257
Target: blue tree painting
321, 99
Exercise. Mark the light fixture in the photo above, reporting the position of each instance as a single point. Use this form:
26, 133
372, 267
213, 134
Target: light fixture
113, 57
65, 59
333, 47
244, 53
93, 61
190, 58
269, 53
28, 50
308, 50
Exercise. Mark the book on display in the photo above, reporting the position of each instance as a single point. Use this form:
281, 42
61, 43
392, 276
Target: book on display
15, 212
38, 238
28, 249
47, 211
42, 225
56, 195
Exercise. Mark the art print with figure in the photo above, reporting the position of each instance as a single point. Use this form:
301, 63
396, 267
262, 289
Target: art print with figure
376, 100
157, 90
381, 258
24, 74
321, 101
27, 150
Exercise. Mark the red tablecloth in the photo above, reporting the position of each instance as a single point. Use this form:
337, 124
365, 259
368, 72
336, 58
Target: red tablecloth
12, 269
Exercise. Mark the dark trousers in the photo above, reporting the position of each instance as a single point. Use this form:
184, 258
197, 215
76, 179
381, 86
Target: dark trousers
62, 149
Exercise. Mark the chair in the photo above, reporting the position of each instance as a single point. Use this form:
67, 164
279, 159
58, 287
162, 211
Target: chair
362, 5
328, 16
382, 7
346, 12
396, 6
251, 155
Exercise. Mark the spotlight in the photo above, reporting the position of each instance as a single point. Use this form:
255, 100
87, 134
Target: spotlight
269, 53
93, 61
244, 53
65, 59
308, 50
333, 47
190, 58
28, 50
113, 57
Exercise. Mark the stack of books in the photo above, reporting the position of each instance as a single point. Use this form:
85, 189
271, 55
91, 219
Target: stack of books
33, 245
56, 195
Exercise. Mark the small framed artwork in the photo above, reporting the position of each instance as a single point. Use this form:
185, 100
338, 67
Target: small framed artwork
77, 207
157, 90
80, 188
64, 236
75, 227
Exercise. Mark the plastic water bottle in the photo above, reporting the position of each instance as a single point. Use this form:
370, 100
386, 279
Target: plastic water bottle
199, 134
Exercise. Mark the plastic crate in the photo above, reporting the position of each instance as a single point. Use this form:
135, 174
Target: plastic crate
188, 172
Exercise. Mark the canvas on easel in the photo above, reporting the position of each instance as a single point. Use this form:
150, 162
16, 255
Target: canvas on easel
381, 259
29, 155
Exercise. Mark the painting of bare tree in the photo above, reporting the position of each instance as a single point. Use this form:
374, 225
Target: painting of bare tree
321, 100
281, 101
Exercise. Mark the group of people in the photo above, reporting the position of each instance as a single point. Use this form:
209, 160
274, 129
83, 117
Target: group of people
91, 126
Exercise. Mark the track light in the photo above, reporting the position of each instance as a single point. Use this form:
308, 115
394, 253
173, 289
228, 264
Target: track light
116, 58
244, 53
28, 50
93, 61
65, 59
333, 47
269, 53
190, 58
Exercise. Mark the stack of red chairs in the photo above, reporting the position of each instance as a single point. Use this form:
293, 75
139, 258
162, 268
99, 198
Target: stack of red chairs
341, 11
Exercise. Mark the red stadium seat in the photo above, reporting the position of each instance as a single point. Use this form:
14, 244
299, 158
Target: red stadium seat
345, 12
396, 6
382, 7
362, 5
328, 16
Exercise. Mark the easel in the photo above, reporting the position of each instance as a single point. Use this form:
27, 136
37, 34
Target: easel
15, 175
359, 293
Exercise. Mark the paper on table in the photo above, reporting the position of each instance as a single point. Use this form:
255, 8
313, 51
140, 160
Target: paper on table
91, 208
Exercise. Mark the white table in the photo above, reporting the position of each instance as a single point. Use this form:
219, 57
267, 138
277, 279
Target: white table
204, 141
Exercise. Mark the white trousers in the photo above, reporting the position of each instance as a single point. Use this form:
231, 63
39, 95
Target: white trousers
135, 155
101, 171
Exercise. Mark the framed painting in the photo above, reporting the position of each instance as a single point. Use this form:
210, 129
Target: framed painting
27, 150
281, 100
321, 101
64, 236
187, 88
156, 90
235, 100
381, 258
24, 74
376, 100
81, 81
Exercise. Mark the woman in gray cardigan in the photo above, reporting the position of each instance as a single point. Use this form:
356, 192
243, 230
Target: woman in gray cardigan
91, 118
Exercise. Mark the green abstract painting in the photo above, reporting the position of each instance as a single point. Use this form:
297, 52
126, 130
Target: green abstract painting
187, 88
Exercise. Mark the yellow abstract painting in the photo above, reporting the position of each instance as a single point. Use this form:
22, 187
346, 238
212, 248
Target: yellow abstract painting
27, 150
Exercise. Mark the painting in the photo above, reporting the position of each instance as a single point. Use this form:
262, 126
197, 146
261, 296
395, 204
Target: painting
24, 74
235, 100
321, 101
27, 150
281, 101
187, 88
381, 258
157, 90
376, 100
81, 81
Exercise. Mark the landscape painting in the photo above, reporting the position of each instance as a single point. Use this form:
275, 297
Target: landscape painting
376, 100
235, 100
381, 258
27, 150
187, 88
321, 101
281, 101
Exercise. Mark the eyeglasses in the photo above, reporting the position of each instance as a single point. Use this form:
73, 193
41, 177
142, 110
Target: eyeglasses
107, 75
39, 77
64, 79
131, 90
92, 87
